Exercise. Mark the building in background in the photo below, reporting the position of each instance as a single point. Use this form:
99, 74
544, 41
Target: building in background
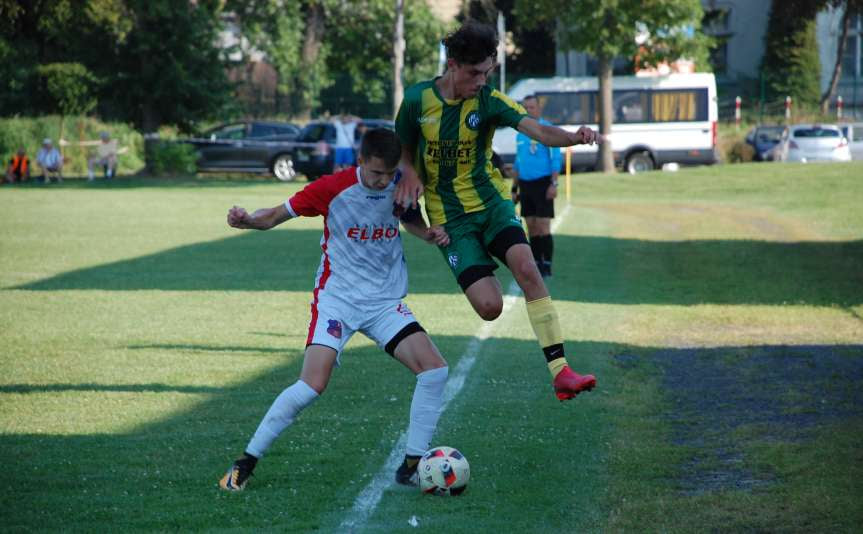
739, 27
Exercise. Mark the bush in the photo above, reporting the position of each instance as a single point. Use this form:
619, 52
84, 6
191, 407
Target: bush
731, 144
170, 158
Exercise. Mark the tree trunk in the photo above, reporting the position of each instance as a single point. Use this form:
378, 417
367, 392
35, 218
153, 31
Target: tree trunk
605, 158
60, 135
398, 56
837, 68
312, 41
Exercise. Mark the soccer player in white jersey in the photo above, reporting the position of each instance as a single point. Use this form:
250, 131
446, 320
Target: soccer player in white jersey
359, 286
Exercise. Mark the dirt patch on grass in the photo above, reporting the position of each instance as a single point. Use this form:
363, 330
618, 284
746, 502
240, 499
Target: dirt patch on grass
723, 399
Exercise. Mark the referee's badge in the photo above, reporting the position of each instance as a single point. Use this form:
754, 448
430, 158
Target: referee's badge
453, 260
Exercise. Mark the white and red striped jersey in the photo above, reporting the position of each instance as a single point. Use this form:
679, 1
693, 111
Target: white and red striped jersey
362, 259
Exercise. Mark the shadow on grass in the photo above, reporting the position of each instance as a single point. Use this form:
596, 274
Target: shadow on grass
163, 474
588, 269
114, 388
208, 348
722, 400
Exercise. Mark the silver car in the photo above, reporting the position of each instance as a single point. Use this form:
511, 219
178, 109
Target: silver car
814, 142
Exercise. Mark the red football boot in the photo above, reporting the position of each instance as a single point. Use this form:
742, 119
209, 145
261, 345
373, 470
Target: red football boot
568, 383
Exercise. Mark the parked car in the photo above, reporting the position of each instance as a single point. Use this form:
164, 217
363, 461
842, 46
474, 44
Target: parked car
764, 139
853, 132
248, 146
314, 152
814, 142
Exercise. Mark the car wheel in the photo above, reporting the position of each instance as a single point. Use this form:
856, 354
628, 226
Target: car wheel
639, 162
283, 168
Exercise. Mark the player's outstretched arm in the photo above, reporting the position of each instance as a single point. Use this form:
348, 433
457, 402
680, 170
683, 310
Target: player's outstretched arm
435, 235
409, 188
554, 136
262, 219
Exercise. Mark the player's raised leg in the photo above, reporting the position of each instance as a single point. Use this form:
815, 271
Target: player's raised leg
419, 354
317, 369
546, 325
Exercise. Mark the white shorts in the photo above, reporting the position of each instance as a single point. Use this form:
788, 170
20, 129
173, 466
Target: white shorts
334, 321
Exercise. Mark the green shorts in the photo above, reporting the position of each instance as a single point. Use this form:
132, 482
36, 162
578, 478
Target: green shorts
477, 238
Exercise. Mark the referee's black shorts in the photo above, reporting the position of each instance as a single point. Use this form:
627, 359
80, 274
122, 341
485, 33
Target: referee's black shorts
532, 196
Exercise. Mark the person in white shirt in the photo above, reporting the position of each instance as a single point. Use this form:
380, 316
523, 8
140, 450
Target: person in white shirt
345, 126
106, 156
359, 287
50, 161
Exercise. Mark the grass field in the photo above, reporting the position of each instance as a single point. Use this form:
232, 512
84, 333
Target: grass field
720, 308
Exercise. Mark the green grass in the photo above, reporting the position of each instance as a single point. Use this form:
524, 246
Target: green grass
721, 309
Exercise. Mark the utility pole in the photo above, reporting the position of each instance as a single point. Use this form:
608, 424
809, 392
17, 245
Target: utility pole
398, 56
501, 49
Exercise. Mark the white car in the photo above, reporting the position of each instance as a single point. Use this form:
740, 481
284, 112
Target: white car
814, 142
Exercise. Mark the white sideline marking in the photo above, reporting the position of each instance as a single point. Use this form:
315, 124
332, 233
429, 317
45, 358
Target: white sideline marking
368, 499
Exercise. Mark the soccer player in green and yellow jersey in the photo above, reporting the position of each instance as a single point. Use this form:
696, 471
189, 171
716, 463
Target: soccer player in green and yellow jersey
446, 127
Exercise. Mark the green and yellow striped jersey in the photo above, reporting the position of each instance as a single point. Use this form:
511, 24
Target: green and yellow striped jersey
453, 147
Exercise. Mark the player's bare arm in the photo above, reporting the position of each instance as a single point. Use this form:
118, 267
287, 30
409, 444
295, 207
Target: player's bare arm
262, 219
554, 136
435, 234
409, 188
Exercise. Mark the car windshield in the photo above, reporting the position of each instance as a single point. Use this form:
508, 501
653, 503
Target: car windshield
816, 132
769, 134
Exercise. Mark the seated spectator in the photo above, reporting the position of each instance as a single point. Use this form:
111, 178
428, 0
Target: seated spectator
18, 169
50, 161
106, 156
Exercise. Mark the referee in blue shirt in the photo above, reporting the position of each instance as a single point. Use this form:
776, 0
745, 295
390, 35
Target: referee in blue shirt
535, 185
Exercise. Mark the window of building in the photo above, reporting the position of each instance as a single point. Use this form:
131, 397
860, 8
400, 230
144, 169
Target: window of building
717, 24
851, 60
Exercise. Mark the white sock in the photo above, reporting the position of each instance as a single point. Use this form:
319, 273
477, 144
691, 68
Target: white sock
280, 416
425, 409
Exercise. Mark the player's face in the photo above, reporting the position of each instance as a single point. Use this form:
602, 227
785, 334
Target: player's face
469, 79
532, 107
375, 173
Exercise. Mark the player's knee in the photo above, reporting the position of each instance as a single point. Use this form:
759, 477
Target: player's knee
318, 385
490, 309
525, 270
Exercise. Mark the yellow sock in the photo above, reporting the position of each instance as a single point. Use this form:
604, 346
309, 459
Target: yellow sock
546, 326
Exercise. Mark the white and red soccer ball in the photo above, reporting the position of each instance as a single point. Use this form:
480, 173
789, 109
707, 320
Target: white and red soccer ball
443, 471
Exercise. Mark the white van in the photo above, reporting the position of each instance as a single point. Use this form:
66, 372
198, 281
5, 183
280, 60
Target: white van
657, 119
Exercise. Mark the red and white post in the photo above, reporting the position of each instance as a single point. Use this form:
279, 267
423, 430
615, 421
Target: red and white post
839, 107
737, 102
788, 108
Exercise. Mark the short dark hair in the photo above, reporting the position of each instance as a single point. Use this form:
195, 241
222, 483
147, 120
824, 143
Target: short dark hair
381, 143
473, 43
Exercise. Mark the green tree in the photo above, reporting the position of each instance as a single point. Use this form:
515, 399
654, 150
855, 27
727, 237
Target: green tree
157, 60
291, 34
667, 30
69, 87
850, 8
169, 69
316, 44
791, 66
364, 55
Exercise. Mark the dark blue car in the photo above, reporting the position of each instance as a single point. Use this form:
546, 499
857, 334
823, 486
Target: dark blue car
764, 139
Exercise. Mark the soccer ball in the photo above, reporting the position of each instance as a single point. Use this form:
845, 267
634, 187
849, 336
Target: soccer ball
443, 471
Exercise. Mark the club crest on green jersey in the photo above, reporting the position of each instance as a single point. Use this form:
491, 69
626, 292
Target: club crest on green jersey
472, 120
